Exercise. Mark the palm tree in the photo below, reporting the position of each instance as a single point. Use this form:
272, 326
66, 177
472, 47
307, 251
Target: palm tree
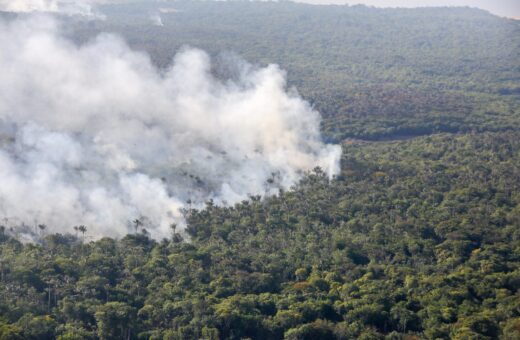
176, 238
137, 222
83, 230
42, 228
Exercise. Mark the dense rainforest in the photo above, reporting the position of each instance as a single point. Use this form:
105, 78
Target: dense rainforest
414, 239
418, 237
372, 73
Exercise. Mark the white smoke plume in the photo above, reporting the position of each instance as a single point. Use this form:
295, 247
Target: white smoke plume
84, 8
96, 135
156, 19
29, 5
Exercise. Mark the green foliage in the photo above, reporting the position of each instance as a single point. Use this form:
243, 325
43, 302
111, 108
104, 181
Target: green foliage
414, 239
10, 331
318, 330
114, 320
372, 73
37, 327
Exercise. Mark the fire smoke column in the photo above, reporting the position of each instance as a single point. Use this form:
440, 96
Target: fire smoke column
95, 135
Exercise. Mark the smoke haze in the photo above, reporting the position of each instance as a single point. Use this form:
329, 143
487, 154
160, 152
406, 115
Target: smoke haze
83, 8
96, 135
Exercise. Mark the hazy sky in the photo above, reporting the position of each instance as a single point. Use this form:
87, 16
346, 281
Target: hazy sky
507, 8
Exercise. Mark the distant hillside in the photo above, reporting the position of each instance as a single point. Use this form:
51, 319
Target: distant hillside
373, 73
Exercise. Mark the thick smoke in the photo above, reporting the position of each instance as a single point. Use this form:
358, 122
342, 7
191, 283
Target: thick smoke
83, 8
96, 135
30, 5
